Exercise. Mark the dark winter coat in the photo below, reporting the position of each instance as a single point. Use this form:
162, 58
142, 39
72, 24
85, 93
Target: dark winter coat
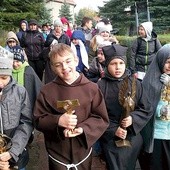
63, 39
32, 83
49, 75
96, 70
33, 43
142, 53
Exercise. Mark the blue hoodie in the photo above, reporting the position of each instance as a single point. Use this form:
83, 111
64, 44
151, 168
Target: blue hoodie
21, 31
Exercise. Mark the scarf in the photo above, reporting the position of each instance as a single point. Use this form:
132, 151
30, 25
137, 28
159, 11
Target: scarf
18, 74
83, 52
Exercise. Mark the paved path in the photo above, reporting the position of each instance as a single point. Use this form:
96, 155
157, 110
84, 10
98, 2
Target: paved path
38, 156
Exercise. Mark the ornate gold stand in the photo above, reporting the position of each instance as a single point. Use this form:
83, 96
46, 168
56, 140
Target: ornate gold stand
126, 99
123, 143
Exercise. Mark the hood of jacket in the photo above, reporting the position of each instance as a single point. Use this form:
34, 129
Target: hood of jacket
78, 34
12, 35
23, 21
148, 26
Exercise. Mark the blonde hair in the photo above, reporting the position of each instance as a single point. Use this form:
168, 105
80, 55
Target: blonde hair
93, 43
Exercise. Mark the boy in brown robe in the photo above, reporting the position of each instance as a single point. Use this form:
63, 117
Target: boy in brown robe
69, 137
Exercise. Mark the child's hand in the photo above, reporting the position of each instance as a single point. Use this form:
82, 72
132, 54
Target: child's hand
126, 122
121, 133
68, 121
4, 164
135, 75
73, 133
5, 156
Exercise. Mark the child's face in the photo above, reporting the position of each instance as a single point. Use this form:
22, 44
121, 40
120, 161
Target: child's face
11, 43
116, 67
166, 68
100, 56
17, 64
105, 35
75, 41
4, 80
142, 32
65, 66
24, 26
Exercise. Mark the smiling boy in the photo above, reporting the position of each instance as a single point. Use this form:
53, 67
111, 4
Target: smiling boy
69, 137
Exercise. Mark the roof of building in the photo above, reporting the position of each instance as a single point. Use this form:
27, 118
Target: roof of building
71, 2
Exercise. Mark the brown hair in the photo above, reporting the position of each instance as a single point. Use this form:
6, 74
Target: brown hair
85, 20
60, 50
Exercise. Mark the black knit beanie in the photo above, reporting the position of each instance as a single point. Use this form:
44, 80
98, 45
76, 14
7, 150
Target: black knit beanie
114, 51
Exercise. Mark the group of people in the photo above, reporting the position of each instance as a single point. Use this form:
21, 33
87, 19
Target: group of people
89, 96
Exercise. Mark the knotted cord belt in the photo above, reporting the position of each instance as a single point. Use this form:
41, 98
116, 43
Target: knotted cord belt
69, 166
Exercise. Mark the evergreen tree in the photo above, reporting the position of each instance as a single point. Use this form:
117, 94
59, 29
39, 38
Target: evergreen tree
125, 20
13, 11
160, 10
115, 10
65, 11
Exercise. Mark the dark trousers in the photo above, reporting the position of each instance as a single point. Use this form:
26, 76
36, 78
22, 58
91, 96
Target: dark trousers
38, 66
159, 159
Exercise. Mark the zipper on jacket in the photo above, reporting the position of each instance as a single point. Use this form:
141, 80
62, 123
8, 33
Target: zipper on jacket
146, 57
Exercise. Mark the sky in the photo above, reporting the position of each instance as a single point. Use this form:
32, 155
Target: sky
92, 4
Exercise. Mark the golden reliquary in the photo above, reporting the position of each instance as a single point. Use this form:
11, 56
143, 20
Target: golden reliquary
68, 105
126, 99
165, 110
5, 143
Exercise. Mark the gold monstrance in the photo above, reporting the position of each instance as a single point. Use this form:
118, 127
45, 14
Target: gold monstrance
126, 99
165, 110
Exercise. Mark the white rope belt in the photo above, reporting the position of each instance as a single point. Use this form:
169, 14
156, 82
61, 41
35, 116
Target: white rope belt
69, 166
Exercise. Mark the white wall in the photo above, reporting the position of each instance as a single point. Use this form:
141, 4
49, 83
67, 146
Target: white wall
55, 6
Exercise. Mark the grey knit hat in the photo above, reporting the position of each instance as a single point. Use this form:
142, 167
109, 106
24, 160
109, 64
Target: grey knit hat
6, 62
104, 28
58, 22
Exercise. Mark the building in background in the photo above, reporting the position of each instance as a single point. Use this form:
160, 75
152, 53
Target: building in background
55, 6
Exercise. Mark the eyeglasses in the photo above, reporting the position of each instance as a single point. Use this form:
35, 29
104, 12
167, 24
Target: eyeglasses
62, 64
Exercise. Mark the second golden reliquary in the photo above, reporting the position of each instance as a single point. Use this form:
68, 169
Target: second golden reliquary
126, 99
165, 110
5, 143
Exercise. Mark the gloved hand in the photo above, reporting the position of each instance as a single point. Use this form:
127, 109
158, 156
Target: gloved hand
165, 79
